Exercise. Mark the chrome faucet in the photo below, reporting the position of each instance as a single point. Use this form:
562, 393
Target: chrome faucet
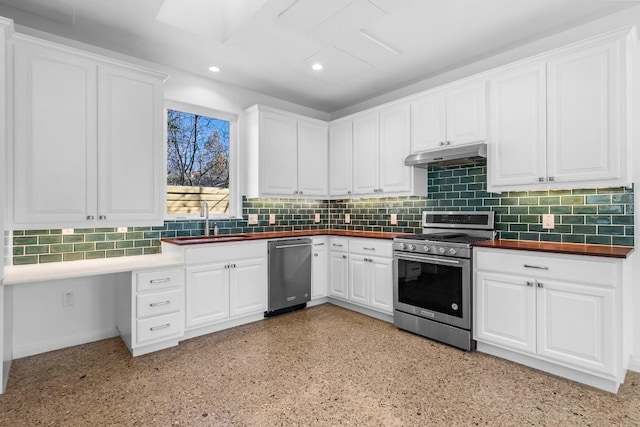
204, 212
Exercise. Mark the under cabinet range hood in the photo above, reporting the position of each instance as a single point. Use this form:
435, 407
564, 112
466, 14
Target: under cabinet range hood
448, 156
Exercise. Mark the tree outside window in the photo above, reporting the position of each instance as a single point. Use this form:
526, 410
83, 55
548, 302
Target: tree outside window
197, 163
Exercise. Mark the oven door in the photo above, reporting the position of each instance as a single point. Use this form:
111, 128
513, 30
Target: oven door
436, 288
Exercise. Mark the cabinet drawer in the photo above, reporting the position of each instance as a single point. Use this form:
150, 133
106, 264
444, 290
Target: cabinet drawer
226, 251
339, 244
159, 327
156, 303
577, 269
161, 279
371, 247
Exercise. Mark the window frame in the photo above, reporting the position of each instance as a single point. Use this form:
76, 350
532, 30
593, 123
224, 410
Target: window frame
235, 208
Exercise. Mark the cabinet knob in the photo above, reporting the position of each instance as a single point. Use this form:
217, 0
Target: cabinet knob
344, 256
551, 178
448, 143
89, 217
315, 254
529, 283
348, 192
102, 217
441, 143
540, 285
541, 179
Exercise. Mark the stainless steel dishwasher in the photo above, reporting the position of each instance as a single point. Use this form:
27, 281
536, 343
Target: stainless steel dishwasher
289, 275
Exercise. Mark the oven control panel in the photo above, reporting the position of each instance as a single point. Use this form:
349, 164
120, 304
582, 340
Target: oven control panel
437, 249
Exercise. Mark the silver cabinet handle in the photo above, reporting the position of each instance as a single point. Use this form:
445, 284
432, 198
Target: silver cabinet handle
158, 304
540, 285
348, 192
318, 244
315, 254
90, 217
157, 328
165, 280
448, 143
551, 179
538, 267
541, 179
369, 249
292, 246
529, 283
344, 256
337, 245
441, 143
102, 217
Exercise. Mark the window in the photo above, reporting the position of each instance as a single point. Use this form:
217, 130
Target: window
200, 167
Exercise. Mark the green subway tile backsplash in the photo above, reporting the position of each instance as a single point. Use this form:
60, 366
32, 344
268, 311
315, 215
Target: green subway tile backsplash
594, 216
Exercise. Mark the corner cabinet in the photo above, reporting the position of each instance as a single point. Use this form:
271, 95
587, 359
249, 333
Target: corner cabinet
288, 154
88, 140
559, 313
561, 121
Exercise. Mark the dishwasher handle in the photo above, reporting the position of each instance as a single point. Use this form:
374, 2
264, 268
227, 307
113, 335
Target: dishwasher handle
297, 245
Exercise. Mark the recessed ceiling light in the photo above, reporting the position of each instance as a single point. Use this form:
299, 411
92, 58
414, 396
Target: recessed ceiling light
214, 69
317, 67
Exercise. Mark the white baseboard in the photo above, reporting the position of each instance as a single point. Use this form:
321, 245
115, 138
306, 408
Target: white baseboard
634, 363
68, 341
362, 310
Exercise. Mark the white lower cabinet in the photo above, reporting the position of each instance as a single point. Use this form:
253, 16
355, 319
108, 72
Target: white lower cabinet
150, 310
319, 267
363, 275
225, 282
563, 310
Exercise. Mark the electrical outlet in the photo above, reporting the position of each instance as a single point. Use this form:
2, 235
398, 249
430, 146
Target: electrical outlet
122, 229
548, 221
347, 218
394, 219
272, 219
66, 231
316, 218
253, 219
68, 298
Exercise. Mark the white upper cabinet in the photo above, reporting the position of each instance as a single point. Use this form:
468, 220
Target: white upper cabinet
456, 115
560, 121
287, 154
340, 158
381, 142
517, 153
131, 172
88, 148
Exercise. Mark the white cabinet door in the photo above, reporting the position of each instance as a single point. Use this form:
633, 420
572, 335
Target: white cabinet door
504, 311
278, 154
428, 121
55, 137
358, 279
340, 164
466, 113
576, 326
131, 172
248, 286
207, 294
366, 154
584, 105
395, 146
339, 279
381, 284
319, 268
313, 155
518, 127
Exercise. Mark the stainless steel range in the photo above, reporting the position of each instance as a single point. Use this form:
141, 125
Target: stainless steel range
432, 276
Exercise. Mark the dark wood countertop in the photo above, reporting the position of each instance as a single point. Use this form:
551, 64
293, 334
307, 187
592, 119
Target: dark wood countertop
182, 241
559, 248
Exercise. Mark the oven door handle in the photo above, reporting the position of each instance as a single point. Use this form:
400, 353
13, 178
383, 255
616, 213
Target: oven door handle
428, 259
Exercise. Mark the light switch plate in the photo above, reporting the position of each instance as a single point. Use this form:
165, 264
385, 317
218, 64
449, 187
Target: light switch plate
272, 219
394, 219
347, 218
122, 229
253, 219
66, 231
548, 221
316, 218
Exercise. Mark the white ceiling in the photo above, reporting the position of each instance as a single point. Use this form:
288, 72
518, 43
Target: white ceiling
367, 47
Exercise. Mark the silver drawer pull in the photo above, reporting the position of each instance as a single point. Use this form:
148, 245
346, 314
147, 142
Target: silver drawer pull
318, 244
369, 249
335, 244
165, 280
157, 328
539, 267
540, 285
315, 254
158, 304
529, 283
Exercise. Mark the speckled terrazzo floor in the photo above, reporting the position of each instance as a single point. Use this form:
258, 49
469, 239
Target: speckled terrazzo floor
321, 366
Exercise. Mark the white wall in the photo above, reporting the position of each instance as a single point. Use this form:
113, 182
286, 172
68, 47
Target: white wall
41, 323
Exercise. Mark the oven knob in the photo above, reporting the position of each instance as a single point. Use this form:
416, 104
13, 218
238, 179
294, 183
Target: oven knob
452, 251
441, 250
401, 246
426, 248
412, 247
